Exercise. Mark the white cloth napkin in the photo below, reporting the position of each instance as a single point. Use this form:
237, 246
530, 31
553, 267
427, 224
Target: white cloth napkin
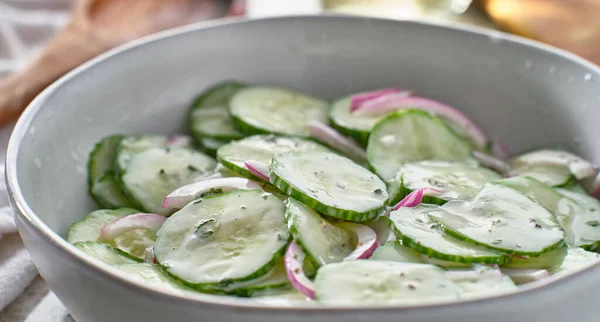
25, 26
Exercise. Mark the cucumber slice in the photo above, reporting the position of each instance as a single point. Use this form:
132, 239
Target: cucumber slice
261, 148
458, 180
481, 281
222, 172
549, 260
275, 279
152, 174
152, 276
395, 252
582, 227
319, 238
215, 241
88, 228
133, 145
210, 146
257, 110
356, 126
330, 184
281, 297
106, 253
102, 157
578, 214
107, 192
382, 282
416, 231
134, 243
444, 264
575, 259
381, 226
413, 135
542, 167
575, 187
499, 217
209, 116
103, 186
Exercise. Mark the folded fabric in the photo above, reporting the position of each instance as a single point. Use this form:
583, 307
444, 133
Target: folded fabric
17, 270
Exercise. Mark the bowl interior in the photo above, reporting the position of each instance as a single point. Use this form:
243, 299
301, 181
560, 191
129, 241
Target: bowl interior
526, 96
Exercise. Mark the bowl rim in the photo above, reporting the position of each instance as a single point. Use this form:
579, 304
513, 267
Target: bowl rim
94, 266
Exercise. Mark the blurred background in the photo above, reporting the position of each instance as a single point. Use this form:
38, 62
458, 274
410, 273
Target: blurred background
40, 40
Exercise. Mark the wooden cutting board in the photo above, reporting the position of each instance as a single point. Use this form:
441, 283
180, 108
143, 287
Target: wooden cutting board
573, 25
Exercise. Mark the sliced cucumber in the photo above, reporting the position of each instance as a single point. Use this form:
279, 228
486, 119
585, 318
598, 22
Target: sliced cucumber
382, 282
444, 264
498, 217
544, 167
395, 252
582, 225
103, 186
458, 180
102, 157
257, 110
319, 238
575, 187
151, 276
275, 279
413, 135
88, 228
281, 297
330, 184
261, 148
578, 214
481, 281
381, 226
133, 145
222, 172
209, 116
134, 243
416, 231
575, 259
106, 253
107, 192
548, 260
210, 146
215, 241
356, 126
152, 174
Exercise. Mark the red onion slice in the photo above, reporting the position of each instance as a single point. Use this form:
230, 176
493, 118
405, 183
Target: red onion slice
258, 169
294, 259
492, 162
366, 240
125, 224
358, 99
329, 136
594, 191
500, 150
400, 101
179, 141
525, 275
188, 193
414, 198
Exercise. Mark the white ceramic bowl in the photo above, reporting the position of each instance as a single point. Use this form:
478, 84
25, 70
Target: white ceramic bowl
528, 94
